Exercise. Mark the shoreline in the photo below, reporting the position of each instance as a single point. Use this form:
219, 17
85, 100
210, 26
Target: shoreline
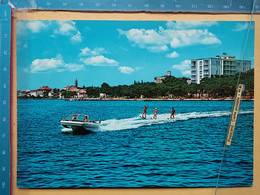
133, 99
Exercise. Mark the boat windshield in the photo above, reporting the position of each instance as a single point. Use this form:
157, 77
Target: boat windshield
80, 117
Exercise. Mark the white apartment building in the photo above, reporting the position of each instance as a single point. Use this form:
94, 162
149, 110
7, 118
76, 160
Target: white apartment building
220, 65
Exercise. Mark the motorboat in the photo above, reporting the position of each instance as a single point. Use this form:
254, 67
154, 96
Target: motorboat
80, 123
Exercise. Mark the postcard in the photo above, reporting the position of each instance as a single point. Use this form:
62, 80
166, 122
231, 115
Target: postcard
133, 104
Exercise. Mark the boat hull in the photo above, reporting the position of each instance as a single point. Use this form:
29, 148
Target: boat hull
81, 127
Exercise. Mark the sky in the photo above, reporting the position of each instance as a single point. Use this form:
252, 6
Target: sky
56, 52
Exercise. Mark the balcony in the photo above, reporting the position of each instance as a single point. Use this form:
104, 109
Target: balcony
206, 62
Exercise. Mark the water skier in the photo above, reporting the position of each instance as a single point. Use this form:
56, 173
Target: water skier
155, 113
172, 113
144, 112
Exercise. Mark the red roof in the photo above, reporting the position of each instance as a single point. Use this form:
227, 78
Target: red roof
73, 89
45, 88
82, 91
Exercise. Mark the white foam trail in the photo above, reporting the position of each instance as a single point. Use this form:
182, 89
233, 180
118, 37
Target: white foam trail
136, 122
66, 130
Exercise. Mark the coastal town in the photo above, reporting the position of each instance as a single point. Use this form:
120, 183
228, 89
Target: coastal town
47, 92
215, 72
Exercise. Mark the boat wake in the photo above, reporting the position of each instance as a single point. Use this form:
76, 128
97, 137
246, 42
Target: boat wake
136, 122
66, 130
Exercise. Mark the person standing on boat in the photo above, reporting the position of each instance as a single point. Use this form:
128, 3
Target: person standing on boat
144, 112
172, 113
155, 113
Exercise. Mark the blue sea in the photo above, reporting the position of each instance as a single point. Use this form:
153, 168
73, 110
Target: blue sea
130, 152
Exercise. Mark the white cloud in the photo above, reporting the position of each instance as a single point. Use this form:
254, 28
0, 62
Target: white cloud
77, 37
184, 67
129, 70
158, 48
181, 38
74, 67
175, 42
88, 52
52, 65
61, 27
85, 51
142, 36
40, 65
241, 26
159, 40
126, 69
36, 25
100, 50
68, 28
189, 24
94, 57
99, 61
211, 39
172, 55
149, 39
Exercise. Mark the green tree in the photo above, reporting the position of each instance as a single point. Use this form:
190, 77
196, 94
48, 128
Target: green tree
68, 94
105, 88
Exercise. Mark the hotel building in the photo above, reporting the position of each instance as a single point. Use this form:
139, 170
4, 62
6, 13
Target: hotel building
220, 65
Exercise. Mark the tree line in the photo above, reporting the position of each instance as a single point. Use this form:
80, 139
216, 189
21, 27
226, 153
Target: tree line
216, 87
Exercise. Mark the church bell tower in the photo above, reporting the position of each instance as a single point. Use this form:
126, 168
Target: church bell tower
76, 83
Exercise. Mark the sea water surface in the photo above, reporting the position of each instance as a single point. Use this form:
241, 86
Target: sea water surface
130, 152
